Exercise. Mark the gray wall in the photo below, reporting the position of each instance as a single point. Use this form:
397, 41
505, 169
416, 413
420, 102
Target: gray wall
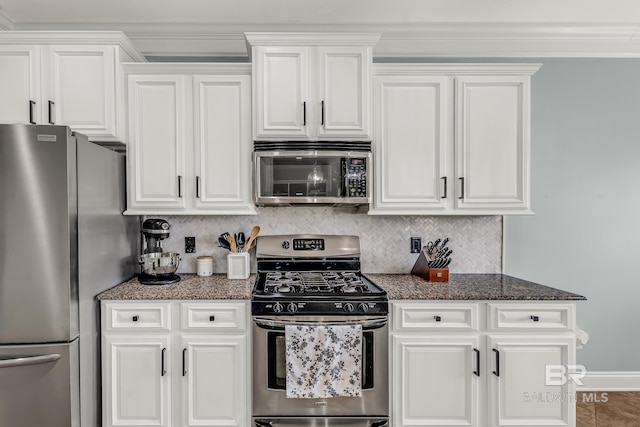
586, 195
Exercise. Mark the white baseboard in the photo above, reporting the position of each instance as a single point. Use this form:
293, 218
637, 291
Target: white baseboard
611, 381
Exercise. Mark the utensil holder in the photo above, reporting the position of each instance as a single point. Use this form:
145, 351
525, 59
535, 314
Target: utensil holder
238, 265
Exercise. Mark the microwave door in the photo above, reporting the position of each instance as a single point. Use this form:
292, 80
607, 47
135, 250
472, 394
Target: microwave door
310, 177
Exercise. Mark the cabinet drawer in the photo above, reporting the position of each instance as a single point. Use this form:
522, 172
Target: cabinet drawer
538, 316
435, 316
214, 316
137, 316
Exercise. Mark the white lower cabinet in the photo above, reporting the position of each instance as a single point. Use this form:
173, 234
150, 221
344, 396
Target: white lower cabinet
188, 367
136, 382
434, 381
450, 373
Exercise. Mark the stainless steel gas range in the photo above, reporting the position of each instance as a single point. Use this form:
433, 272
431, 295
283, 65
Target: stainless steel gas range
313, 283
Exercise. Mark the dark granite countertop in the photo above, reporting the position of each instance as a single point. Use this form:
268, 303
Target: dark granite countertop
398, 286
468, 287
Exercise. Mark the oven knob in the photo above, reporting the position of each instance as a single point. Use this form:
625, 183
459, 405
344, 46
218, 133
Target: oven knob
363, 307
285, 245
348, 307
292, 307
277, 307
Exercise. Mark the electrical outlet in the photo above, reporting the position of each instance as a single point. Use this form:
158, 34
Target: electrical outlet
416, 245
190, 245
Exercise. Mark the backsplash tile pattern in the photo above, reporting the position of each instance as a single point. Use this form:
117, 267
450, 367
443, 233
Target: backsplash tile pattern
385, 240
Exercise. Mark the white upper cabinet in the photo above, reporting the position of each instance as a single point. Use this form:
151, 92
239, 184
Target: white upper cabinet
190, 139
222, 143
411, 143
20, 84
73, 79
281, 92
156, 151
311, 86
492, 142
452, 139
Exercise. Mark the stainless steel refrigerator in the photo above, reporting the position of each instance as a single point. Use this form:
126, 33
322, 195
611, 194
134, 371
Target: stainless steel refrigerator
63, 239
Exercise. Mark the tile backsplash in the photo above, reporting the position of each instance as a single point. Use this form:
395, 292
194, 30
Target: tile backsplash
385, 240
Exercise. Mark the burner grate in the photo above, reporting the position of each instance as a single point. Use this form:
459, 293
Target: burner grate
314, 282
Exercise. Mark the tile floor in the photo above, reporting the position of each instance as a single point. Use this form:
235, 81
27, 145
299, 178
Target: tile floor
608, 409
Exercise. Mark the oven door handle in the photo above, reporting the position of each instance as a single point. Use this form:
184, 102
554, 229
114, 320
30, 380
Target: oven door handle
369, 323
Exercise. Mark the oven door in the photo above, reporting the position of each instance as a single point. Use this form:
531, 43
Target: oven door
269, 370
326, 422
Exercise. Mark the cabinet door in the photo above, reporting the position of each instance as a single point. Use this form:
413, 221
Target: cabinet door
223, 145
435, 380
412, 144
281, 100
214, 381
518, 389
344, 79
156, 148
136, 380
492, 142
20, 84
82, 90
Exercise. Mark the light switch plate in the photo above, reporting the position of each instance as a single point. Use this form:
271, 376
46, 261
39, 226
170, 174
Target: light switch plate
416, 245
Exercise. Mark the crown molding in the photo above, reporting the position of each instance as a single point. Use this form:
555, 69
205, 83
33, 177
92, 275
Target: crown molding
73, 37
6, 23
427, 40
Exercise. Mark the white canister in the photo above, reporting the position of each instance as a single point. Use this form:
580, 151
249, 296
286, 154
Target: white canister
204, 265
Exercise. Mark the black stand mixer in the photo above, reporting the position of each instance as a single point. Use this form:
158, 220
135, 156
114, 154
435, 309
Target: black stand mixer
158, 267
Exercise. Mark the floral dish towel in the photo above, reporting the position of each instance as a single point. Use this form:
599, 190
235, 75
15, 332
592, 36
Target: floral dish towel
323, 361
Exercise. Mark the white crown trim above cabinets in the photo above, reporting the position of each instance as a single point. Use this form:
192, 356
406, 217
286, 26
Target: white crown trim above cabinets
407, 40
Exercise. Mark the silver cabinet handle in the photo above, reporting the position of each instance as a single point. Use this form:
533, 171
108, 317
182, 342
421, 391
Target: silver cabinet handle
197, 187
31, 360
179, 186
322, 113
461, 188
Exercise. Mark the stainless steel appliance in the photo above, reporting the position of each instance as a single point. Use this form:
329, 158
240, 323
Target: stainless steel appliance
63, 239
316, 280
312, 172
158, 267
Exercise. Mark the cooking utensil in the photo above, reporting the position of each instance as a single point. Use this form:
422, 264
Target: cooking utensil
232, 242
254, 233
240, 241
222, 242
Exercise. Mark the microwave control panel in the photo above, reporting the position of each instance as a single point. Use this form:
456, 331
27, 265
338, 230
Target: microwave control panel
356, 174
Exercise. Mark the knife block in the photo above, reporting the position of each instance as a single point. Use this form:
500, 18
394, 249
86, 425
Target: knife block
421, 268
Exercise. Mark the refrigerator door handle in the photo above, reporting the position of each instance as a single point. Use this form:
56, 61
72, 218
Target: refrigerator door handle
24, 361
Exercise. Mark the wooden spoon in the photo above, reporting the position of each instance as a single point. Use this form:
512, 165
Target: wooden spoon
254, 233
232, 242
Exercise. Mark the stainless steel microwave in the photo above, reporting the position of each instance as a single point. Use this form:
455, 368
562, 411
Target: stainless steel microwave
307, 173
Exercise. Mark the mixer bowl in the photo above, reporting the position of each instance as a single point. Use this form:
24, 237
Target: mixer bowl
160, 263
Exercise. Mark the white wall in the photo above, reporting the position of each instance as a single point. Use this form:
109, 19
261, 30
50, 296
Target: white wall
586, 195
